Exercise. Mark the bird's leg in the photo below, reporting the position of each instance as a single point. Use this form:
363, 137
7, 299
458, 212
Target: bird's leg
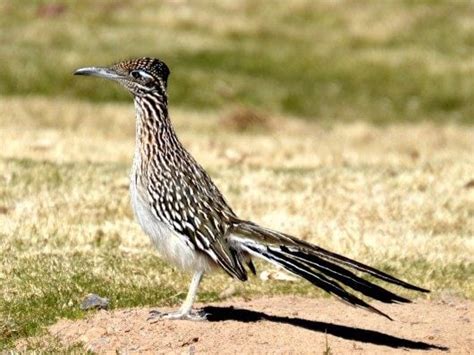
186, 309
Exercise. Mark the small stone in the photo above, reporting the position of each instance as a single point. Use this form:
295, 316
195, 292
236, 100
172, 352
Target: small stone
93, 301
264, 275
277, 275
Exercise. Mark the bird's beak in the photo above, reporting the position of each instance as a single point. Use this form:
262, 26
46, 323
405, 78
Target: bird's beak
105, 73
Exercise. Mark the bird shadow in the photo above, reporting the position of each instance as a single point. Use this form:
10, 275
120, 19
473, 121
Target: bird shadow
218, 314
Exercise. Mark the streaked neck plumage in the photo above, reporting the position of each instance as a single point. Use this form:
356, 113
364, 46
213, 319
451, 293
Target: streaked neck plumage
156, 139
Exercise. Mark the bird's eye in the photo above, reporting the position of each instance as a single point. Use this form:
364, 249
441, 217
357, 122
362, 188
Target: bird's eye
142, 76
136, 74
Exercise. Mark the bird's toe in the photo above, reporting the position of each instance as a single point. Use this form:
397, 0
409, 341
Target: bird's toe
155, 315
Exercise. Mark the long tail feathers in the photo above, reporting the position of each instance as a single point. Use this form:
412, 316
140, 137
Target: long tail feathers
322, 268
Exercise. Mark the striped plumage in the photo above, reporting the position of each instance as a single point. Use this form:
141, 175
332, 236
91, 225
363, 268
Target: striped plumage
191, 224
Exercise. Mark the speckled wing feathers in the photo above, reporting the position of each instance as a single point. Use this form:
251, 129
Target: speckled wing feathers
185, 198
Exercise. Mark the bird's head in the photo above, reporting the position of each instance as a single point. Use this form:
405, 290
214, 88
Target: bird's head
139, 76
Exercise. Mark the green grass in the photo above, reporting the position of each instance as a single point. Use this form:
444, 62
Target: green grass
376, 61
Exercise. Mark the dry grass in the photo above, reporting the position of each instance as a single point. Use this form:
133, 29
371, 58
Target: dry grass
398, 197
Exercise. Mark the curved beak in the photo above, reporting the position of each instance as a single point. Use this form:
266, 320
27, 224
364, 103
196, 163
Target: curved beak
105, 73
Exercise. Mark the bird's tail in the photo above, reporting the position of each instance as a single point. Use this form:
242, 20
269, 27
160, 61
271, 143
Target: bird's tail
322, 268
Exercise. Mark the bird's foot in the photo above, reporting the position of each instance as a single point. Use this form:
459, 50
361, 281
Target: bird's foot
194, 315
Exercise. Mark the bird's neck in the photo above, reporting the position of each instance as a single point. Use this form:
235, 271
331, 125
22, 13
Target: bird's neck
155, 136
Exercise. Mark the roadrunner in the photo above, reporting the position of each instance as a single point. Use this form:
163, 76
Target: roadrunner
190, 223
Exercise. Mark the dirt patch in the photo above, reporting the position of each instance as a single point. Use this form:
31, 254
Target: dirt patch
281, 325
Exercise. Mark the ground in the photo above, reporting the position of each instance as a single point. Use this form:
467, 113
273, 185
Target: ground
280, 325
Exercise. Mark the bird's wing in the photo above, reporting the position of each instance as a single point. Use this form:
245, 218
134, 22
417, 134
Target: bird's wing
193, 207
211, 237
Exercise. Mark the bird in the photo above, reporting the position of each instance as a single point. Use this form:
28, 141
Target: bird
192, 226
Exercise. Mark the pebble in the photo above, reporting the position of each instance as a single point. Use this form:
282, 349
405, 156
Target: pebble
93, 301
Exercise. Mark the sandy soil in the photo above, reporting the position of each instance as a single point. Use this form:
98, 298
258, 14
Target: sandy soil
282, 325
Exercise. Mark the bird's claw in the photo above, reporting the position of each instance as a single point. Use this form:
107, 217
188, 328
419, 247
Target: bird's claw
155, 316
